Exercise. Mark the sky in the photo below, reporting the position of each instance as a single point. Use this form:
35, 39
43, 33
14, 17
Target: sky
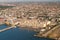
25, 0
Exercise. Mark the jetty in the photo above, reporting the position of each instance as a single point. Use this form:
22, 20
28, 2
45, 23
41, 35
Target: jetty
9, 22
7, 28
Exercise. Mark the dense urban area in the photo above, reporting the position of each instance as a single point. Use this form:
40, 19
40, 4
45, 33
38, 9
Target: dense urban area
41, 17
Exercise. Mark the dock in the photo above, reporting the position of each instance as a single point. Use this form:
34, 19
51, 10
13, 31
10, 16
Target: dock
6, 29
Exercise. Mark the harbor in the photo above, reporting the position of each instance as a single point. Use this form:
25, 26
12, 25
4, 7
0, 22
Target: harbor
42, 18
18, 34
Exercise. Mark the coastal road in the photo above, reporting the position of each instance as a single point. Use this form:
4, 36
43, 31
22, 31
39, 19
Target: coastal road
51, 31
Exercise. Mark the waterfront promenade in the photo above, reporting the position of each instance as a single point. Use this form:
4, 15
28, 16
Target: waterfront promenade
52, 30
52, 33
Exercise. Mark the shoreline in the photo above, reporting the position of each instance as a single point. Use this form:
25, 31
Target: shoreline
31, 29
35, 30
37, 17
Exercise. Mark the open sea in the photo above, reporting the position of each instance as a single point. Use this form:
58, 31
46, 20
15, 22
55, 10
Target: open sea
18, 34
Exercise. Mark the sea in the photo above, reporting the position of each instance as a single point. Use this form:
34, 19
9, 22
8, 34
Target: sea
18, 34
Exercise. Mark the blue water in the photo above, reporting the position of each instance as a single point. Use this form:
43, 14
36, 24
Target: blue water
18, 34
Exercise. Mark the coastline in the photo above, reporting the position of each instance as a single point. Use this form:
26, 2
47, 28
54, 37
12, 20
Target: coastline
36, 17
32, 29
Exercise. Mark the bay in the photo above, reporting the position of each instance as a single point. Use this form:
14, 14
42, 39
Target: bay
18, 34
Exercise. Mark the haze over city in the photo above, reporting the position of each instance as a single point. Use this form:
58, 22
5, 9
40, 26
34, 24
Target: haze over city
28, 0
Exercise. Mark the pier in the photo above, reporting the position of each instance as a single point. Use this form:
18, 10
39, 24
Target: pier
7, 28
